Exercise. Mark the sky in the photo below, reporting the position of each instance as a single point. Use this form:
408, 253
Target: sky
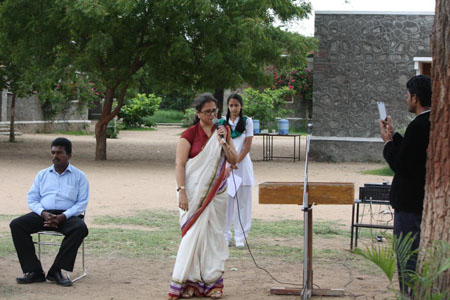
306, 27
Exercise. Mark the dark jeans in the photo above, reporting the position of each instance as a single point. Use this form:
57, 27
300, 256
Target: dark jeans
405, 222
74, 230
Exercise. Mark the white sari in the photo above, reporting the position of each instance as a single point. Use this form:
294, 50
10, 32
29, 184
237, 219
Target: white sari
203, 250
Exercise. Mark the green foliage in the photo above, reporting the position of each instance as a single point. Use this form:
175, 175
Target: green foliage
140, 129
112, 132
78, 132
385, 171
191, 45
189, 116
60, 91
300, 81
134, 112
113, 129
267, 105
436, 261
384, 256
166, 116
149, 122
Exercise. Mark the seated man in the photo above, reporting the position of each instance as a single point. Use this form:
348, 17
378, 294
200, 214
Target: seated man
57, 199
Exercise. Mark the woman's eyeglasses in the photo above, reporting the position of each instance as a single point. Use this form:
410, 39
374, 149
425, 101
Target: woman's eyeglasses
210, 112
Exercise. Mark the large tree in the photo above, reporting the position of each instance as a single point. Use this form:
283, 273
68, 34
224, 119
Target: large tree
15, 77
204, 44
436, 216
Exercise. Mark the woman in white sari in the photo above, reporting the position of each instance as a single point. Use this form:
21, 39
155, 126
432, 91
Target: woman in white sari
202, 153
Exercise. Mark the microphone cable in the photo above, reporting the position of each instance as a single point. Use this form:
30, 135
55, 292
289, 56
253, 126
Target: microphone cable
248, 246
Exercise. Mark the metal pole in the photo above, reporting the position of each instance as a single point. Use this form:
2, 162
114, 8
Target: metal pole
307, 284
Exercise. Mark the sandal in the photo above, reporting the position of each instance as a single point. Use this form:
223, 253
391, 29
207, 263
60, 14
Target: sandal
172, 298
188, 293
215, 294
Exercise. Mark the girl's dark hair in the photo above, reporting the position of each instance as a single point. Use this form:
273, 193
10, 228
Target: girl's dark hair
240, 126
201, 100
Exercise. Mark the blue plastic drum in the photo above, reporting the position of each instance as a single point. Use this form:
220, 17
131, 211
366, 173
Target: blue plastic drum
283, 126
255, 126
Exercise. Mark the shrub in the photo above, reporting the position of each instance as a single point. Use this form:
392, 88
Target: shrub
436, 261
300, 81
189, 115
166, 116
149, 122
267, 105
134, 112
112, 130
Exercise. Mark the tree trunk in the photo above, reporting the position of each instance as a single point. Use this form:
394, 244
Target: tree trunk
100, 138
436, 212
102, 124
107, 115
12, 134
218, 94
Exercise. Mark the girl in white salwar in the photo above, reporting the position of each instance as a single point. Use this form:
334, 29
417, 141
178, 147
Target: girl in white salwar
240, 205
201, 159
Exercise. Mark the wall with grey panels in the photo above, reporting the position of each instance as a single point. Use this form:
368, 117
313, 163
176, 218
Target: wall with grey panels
29, 109
362, 59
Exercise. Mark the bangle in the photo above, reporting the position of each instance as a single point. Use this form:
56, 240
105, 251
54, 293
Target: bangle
181, 187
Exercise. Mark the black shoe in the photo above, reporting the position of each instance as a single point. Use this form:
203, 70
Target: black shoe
59, 278
31, 277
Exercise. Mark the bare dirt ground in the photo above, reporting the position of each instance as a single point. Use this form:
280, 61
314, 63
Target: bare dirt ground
139, 175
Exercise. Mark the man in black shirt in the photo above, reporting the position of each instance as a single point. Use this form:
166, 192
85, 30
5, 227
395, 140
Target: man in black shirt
407, 158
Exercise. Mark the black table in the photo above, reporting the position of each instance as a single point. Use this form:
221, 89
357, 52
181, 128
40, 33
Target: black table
268, 145
370, 194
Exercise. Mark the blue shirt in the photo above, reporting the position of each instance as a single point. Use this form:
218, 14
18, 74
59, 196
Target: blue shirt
68, 191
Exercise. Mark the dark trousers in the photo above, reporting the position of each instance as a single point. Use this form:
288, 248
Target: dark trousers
74, 230
405, 222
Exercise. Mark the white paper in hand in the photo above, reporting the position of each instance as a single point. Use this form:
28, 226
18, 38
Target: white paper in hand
237, 181
382, 110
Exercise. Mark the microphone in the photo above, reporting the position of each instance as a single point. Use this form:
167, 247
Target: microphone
216, 122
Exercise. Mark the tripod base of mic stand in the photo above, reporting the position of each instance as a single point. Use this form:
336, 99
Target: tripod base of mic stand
313, 292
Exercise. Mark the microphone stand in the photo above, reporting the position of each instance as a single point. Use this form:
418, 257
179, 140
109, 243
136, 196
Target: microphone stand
307, 291
307, 220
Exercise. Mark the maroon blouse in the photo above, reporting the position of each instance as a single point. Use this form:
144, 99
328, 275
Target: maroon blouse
197, 137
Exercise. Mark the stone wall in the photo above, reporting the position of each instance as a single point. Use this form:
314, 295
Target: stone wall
362, 58
29, 117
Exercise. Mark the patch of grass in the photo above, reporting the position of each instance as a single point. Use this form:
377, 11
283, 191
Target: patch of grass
160, 237
161, 219
164, 238
284, 228
262, 250
139, 129
385, 171
329, 229
133, 243
78, 132
8, 217
6, 245
162, 241
294, 228
167, 116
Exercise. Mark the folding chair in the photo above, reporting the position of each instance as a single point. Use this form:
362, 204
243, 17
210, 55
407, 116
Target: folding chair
55, 233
